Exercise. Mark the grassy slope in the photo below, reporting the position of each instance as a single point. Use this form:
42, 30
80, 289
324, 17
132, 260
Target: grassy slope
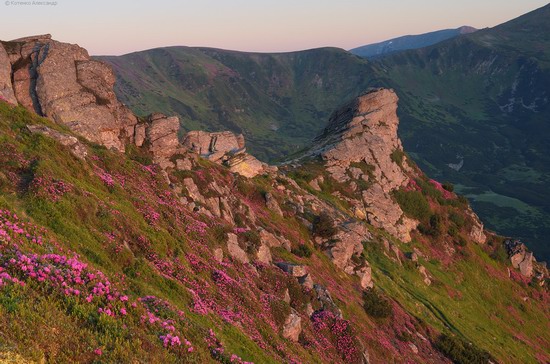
167, 255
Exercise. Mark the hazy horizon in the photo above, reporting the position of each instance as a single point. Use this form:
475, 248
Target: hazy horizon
283, 26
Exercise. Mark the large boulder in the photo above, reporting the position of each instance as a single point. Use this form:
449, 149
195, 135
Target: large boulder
161, 136
60, 81
348, 242
234, 250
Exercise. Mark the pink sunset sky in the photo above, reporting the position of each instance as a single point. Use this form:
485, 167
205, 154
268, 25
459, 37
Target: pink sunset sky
123, 26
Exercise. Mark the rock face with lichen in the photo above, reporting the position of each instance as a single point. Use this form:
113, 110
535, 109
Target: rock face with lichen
364, 131
60, 81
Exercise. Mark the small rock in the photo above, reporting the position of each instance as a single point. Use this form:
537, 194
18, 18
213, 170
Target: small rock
414, 348
234, 250
264, 254
425, 274
309, 309
272, 205
306, 281
292, 327
314, 183
184, 164
274, 242
78, 149
286, 298
327, 303
294, 270
365, 277
218, 255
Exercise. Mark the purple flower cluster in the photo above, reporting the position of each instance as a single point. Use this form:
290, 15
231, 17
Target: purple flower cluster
104, 176
340, 333
157, 308
50, 188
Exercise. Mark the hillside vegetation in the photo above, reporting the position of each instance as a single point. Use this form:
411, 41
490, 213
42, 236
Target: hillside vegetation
100, 261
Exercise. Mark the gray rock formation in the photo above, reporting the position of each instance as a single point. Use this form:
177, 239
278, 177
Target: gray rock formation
365, 131
60, 81
225, 148
161, 136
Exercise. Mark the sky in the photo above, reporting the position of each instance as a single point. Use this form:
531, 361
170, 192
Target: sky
114, 27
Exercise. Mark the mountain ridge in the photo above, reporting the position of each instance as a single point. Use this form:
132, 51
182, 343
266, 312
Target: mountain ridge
406, 42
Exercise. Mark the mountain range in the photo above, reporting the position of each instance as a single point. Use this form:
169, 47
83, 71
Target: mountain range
407, 42
474, 107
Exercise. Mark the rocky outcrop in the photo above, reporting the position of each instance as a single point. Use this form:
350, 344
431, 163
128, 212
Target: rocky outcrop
228, 149
160, 134
364, 132
477, 233
524, 260
77, 148
519, 257
6, 89
60, 81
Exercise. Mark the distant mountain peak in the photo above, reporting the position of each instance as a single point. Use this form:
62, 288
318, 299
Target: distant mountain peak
410, 42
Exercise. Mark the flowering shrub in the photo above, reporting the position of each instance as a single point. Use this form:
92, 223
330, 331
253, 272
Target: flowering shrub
376, 305
50, 188
339, 334
447, 195
162, 316
460, 351
105, 177
218, 351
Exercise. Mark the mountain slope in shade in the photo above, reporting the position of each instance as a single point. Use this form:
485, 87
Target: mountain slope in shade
409, 42
475, 112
